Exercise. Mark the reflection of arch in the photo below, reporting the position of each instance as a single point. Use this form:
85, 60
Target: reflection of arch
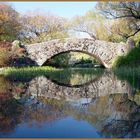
101, 87
105, 52
85, 52
75, 86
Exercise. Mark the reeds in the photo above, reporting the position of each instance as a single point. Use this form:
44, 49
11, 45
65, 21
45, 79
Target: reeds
130, 74
28, 73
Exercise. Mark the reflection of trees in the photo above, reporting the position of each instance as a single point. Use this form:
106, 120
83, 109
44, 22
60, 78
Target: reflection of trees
128, 124
114, 115
122, 128
9, 89
10, 111
5, 85
122, 103
42, 111
130, 76
10, 108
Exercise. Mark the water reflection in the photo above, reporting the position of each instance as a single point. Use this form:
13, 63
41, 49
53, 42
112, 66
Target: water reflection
91, 105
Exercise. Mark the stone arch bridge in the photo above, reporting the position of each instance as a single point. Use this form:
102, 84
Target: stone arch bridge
105, 52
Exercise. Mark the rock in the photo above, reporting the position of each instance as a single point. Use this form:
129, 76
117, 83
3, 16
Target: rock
15, 45
131, 44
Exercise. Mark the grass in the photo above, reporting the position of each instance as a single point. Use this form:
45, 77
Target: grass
131, 59
28, 73
128, 67
26, 70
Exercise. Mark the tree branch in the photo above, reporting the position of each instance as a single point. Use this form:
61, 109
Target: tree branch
90, 34
134, 33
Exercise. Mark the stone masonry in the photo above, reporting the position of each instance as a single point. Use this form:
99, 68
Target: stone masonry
105, 52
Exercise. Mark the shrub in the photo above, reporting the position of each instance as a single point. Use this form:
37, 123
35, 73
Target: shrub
61, 61
6, 45
131, 59
10, 53
4, 57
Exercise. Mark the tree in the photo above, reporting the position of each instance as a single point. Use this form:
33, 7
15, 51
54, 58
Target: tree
39, 27
119, 30
60, 60
91, 23
128, 11
9, 23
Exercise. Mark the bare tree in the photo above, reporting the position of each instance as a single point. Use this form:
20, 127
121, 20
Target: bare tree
129, 11
91, 23
39, 27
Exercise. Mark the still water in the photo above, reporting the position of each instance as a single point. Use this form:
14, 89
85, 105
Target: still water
72, 105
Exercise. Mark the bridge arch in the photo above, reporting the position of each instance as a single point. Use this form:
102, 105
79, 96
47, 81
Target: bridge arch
105, 52
84, 52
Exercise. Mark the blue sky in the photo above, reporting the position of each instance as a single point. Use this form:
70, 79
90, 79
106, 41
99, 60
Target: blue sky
65, 9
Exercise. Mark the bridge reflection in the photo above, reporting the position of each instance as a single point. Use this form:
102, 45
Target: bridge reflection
90, 86
107, 103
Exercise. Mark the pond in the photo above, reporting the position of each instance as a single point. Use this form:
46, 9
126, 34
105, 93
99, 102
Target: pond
76, 103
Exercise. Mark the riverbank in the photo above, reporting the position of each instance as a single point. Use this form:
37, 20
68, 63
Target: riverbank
28, 73
127, 71
46, 70
132, 59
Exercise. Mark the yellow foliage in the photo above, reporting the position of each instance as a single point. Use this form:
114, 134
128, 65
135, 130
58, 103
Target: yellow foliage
9, 25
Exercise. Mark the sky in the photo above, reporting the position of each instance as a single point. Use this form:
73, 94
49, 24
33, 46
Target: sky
64, 9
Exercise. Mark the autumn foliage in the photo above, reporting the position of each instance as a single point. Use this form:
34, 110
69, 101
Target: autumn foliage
9, 23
